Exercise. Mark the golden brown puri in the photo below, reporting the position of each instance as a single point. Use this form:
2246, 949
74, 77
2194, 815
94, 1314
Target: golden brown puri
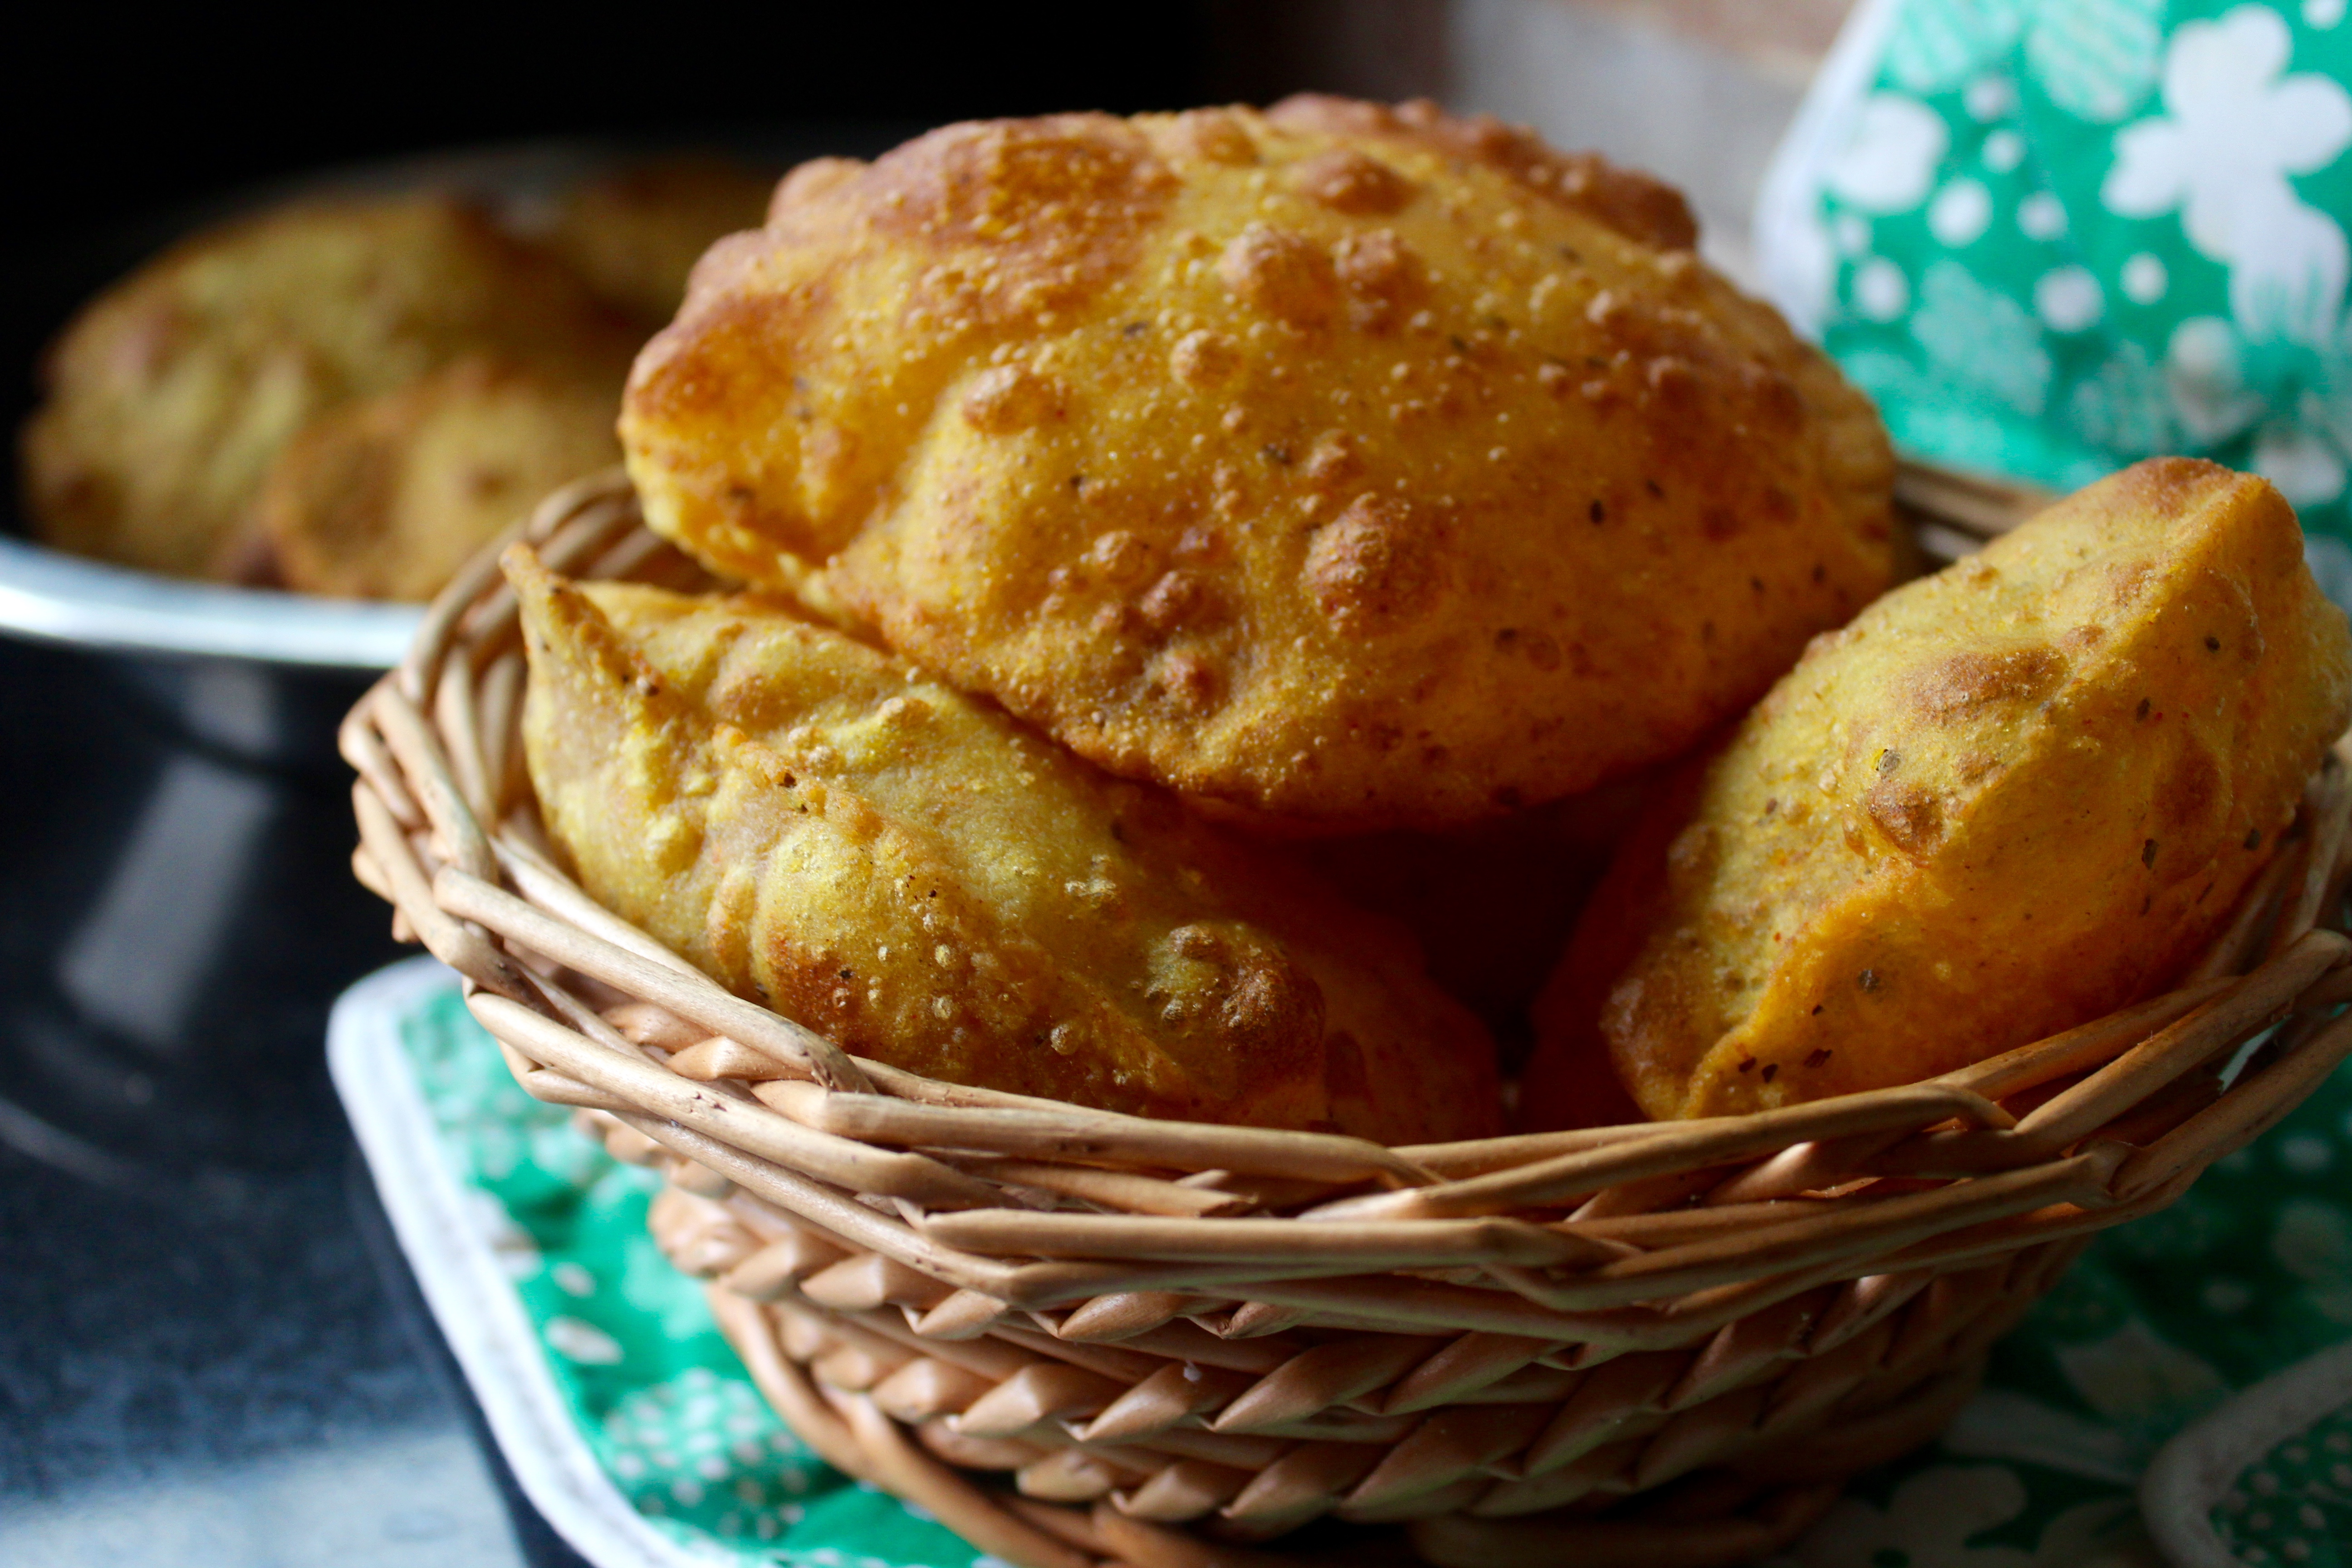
2006, 800
386, 497
169, 396
825, 830
634, 234
1357, 468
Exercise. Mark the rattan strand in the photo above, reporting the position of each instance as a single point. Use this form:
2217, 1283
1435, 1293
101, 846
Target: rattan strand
1080, 1337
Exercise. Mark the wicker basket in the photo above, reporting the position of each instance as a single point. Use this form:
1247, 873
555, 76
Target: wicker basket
1076, 1336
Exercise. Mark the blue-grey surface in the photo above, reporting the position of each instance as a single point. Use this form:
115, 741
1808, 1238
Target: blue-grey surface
219, 1377
211, 1355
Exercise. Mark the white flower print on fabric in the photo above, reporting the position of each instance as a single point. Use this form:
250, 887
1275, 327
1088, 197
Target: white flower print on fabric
648, 1284
1931, 1518
702, 1426
2235, 128
2226, 1298
563, 1153
2096, 58
1890, 155
1981, 339
2139, 1381
1926, 1525
2313, 1240
2307, 1155
701, 1436
2068, 299
2145, 279
2125, 408
2140, 1386
1990, 97
2204, 368
2105, 1532
1961, 213
575, 1338
1938, 44
2002, 1424
2308, 471
1880, 291
2329, 413
2041, 217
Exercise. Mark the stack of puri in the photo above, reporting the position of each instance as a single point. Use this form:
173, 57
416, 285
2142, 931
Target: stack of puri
350, 395
1171, 550
1218, 590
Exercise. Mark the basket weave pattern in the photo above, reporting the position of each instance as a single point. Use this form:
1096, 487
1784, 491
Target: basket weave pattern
1662, 1343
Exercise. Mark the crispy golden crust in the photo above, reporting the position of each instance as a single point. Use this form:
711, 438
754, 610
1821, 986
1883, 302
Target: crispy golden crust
169, 395
386, 497
1355, 468
2008, 799
635, 234
823, 828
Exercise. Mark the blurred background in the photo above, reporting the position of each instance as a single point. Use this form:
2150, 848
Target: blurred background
116, 119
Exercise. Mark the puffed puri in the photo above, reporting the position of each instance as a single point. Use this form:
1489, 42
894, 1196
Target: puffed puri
1340, 466
2008, 799
823, 829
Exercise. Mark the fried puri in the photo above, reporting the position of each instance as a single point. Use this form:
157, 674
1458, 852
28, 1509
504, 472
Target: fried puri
1353, 468
2008, 799
634, 234
386, 497
827, 831
169, 397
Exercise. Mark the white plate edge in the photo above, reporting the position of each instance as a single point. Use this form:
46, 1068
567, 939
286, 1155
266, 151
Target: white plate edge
55, 597
463, 1284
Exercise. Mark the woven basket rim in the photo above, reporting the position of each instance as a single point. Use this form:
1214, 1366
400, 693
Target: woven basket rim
969, 1213
495, 882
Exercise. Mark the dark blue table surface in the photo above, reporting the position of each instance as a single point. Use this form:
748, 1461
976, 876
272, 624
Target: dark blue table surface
212, 1355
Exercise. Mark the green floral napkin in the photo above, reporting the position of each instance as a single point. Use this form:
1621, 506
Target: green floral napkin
2296, 1506
2052, 237
644, 1378
2162, 1319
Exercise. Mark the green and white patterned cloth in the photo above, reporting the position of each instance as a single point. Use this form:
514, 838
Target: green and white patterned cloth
2159, 1322
2053, 236
2301, 1493
635, 1381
